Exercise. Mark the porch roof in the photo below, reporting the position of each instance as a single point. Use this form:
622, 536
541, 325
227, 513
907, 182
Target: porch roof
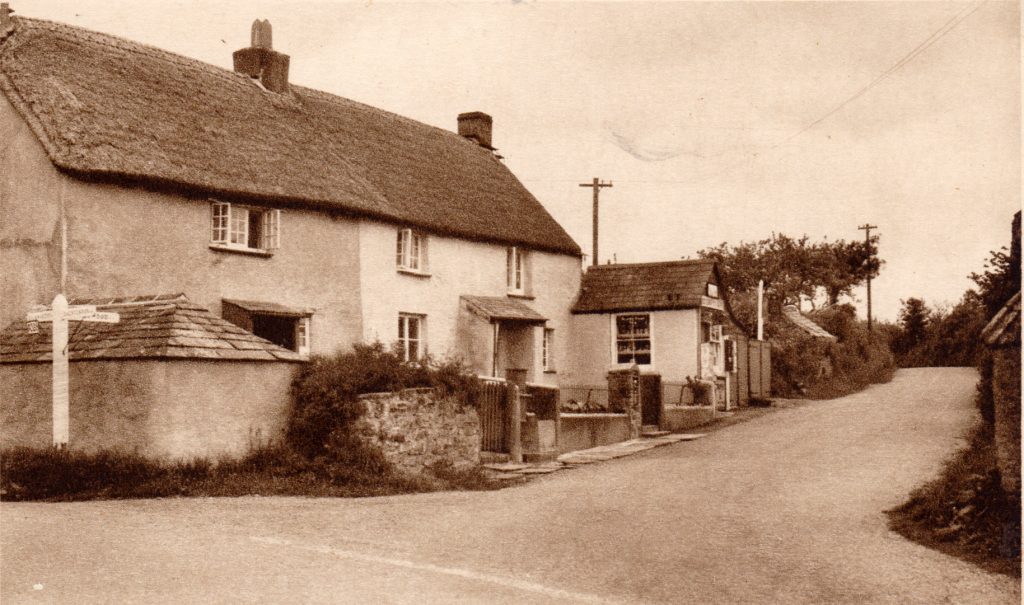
269, 308
502, 308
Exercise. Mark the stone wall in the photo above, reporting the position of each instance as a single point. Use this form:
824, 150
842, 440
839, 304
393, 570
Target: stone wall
417, 428
1006, 391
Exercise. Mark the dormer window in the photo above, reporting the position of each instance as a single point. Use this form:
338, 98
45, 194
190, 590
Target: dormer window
411, 251
713, 290
245, 228
516, 270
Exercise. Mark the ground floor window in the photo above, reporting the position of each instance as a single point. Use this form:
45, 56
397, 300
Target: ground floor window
633, 339
547, 354
410, 336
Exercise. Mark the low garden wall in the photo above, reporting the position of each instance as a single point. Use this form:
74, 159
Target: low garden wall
679, 418
417, 428
582, 431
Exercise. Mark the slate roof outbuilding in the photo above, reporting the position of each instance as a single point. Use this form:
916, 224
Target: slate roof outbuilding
165, 326
795, 317
109, 109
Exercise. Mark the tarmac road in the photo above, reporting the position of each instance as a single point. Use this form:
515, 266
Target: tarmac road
784, 508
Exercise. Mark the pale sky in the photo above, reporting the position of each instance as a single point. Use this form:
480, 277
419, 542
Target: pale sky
697, 112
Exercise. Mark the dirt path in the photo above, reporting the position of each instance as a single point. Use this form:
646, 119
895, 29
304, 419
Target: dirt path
785, 508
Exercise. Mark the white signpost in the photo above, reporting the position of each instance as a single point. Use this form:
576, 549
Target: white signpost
60, 313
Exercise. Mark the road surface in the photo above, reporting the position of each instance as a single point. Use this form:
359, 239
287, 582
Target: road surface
785, 508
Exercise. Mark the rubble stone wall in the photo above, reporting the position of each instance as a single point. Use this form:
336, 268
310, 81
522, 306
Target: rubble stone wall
417, 428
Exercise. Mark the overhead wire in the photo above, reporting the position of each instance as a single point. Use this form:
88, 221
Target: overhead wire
924, 45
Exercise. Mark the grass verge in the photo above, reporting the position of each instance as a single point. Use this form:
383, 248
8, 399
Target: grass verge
964, 513
55, 476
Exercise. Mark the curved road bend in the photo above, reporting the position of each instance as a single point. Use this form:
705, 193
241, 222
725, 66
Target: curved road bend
785, 508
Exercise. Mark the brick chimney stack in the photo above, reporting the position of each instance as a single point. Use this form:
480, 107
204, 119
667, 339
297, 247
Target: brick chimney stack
261, 61
6, 24
476, 126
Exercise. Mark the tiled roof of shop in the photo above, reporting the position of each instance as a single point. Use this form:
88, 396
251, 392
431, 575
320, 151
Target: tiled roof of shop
165, 326
105, 108
644, 286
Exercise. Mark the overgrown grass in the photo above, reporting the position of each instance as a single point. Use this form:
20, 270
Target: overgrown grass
964, 512
54, 475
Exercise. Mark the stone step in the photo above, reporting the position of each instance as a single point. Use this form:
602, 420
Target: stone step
653, 433
493, 457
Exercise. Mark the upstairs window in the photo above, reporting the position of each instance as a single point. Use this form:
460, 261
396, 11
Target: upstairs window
515, 261
633, 339
410, 336
713, 290
411, 251
245, 227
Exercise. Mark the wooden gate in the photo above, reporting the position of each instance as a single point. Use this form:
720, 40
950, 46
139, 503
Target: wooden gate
494, 395
760, 368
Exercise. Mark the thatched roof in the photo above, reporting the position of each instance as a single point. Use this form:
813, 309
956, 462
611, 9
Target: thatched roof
110, 109
150, 327
1004, 329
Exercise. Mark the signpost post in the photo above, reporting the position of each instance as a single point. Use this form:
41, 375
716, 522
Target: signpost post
60, 313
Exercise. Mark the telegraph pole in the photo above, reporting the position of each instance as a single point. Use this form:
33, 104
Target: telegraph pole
867, 227
596, 184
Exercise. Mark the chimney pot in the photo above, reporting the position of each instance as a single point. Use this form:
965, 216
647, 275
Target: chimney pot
259, 60
476, 126
262, 35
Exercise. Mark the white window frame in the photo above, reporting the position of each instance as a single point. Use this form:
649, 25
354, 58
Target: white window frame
716, 333
303, 335
229, 227
649, 339
515, 270
405, 320
411, 251
547, 354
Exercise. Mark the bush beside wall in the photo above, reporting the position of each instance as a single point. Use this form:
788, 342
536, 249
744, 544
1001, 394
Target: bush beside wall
818, 368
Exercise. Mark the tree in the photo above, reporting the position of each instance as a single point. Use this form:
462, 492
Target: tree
913, 322
1001, 278
795, 269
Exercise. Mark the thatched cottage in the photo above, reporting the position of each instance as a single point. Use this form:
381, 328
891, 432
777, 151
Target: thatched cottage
311, 220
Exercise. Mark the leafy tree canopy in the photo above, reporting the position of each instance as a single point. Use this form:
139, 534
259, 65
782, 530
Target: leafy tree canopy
795, 269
